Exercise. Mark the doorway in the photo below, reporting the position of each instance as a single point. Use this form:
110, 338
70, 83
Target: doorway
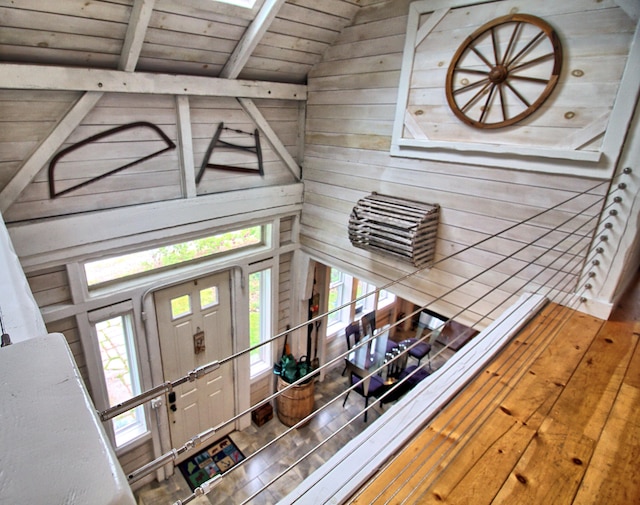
194, 328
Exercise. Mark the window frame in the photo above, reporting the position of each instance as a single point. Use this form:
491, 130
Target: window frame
100, 393
265, 242
264, 363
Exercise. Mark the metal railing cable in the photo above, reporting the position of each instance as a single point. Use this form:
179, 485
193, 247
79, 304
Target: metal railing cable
525, 348
498, 372
567, 274
511, 357
551, 248
201, 371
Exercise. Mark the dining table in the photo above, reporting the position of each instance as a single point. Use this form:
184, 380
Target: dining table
368, 356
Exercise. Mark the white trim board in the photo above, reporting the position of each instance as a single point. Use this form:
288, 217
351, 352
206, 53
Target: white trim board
341, 476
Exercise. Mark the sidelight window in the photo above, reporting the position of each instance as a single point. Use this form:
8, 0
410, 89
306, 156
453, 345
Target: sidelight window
260, 320
121, 376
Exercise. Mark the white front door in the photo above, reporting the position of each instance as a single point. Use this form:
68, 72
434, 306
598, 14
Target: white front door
194, 325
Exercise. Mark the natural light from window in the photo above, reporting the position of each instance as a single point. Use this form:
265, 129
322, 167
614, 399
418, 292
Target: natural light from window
127, 265
260, 320
240, 3
115, 338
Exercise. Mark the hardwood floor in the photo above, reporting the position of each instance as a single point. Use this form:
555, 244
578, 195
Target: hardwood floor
554, 419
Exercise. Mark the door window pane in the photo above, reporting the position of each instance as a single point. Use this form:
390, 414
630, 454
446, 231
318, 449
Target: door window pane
180, 306
208, 297
115, 338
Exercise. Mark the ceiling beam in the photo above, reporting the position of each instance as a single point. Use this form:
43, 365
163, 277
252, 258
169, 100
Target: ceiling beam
18, 76
138, 23
254, 113
251, 38
47, 148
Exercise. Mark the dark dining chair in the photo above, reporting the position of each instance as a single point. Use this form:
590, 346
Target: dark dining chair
369, 323
376, 388
353, 336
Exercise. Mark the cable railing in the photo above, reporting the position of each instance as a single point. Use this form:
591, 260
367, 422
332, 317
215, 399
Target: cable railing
563, 274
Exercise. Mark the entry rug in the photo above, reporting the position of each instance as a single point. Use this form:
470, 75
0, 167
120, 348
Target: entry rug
210, 461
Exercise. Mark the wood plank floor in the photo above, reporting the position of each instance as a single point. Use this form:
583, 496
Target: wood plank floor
554, 419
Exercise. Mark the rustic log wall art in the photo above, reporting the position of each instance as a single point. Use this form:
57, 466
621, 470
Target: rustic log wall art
94, 138
256, 149
401, 228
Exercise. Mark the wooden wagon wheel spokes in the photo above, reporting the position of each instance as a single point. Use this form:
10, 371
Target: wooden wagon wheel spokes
506, 51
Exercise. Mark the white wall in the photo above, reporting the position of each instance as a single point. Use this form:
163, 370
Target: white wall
20, 314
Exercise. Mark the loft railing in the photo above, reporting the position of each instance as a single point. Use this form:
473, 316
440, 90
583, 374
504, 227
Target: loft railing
559, 265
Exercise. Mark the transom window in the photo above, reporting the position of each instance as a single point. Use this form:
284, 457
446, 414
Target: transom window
107, 270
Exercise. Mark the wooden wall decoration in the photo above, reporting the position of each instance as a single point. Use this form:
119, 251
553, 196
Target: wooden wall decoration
94, 138
215, 140
589, 85
512, 79
397, 227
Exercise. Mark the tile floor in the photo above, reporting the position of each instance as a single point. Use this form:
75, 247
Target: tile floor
246, 482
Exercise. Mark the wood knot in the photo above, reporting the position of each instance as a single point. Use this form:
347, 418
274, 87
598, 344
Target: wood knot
521, 478
590, 361
505, 410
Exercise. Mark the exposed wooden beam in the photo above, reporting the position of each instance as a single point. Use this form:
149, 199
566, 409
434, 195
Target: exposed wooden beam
185, 146
34, 163
138, 22
54, 240
17, 76
250, 108
251, 38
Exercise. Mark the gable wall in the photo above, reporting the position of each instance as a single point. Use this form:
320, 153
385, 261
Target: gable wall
350, 116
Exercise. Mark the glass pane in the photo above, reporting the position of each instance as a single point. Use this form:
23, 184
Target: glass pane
335, 300
118, 364
254, 313
110, 269
260, 319
180, 306
208, 297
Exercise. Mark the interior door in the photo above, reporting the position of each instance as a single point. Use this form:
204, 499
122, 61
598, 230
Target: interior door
194, 325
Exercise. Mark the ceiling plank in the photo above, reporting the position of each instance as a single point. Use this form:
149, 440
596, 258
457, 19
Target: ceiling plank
47, 148
18, 76
254, 113
138, 22
251, 38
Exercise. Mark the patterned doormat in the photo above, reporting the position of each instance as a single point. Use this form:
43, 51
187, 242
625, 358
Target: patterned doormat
210, 461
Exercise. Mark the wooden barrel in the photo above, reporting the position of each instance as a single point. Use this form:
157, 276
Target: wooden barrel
295, 403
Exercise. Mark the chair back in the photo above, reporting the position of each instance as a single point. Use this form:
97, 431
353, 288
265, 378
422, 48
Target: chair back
352, 334
369, 323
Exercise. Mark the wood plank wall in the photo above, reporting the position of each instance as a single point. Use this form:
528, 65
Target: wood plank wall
350, 113
157, 179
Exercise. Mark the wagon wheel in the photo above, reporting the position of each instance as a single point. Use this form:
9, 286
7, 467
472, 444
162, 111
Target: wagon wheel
504, 71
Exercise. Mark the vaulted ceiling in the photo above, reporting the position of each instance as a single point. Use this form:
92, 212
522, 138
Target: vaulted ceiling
277, 40
53, 51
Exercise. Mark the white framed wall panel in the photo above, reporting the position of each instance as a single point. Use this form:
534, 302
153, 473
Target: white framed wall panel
578, 130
